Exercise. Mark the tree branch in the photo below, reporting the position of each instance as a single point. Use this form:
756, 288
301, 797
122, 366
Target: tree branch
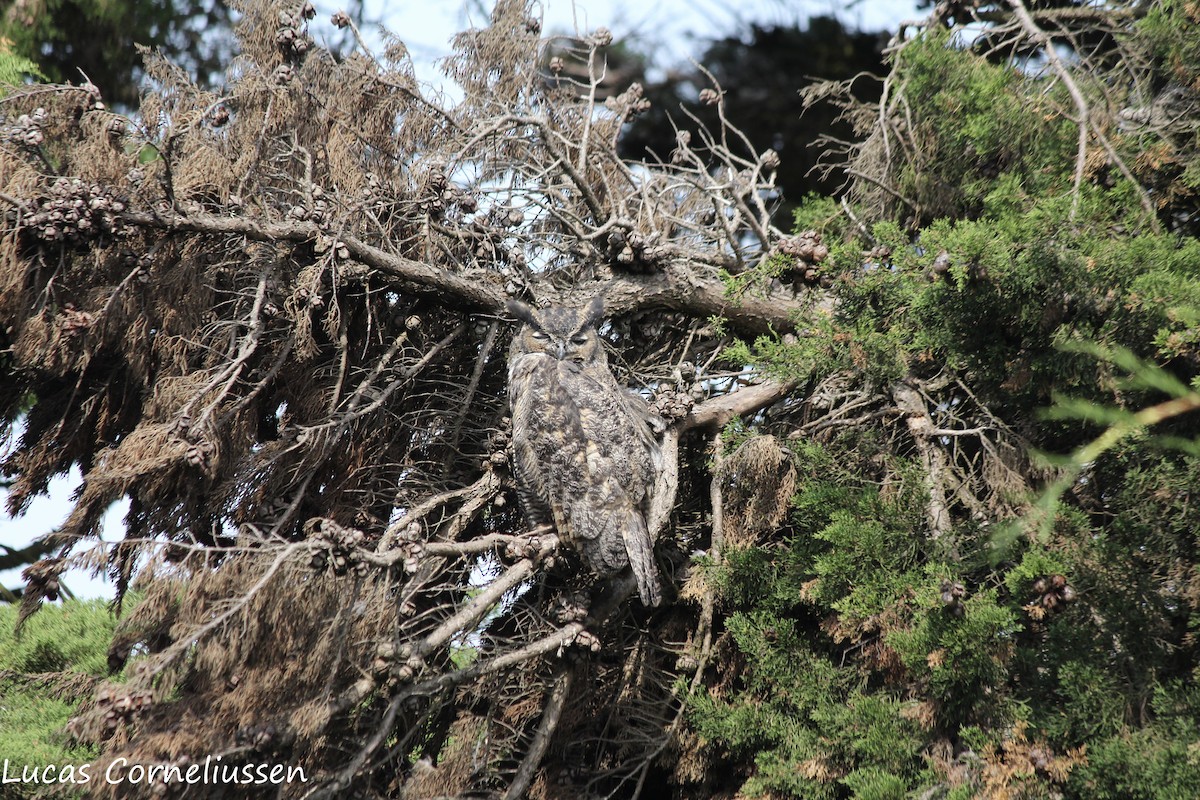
920, 425
720, 410
541, 740
471, 293
679, 288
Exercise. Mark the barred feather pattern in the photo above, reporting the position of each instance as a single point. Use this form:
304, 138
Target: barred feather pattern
585, 453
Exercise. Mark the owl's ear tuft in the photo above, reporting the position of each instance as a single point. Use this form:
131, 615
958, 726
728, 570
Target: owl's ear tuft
594, 312
521, 311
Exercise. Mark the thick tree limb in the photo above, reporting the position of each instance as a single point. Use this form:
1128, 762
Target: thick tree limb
680, 288
720, 410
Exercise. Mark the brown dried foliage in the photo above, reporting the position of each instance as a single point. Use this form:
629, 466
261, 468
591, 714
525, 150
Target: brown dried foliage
1017, 769
267, 318
760, 480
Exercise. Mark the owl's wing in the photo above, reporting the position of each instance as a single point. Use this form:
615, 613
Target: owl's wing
612, 533
646, 430
621, 466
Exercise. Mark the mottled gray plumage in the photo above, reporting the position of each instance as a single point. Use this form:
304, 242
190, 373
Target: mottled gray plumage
586, 457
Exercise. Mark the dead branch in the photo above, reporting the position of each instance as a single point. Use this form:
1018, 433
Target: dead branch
551, 712
676, 289
937, 512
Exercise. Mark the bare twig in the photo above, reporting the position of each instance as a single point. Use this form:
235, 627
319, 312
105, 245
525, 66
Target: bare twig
937, 511
551, 713
1084, 120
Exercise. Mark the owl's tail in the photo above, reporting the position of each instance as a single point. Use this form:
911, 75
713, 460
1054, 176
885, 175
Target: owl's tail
641, 559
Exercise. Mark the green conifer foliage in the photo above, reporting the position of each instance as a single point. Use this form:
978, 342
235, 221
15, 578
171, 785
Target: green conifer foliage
958, 607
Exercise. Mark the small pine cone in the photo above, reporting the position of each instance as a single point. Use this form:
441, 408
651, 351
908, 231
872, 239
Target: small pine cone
516, 550
941, 264
571, 608
709, 97
672, 405
1040, 758
588, 641
264, 737
340, 20
412, 557
94, 95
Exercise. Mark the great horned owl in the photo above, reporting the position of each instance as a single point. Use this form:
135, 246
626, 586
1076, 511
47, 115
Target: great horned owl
586, 457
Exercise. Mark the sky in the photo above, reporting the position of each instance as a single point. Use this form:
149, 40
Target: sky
672, 30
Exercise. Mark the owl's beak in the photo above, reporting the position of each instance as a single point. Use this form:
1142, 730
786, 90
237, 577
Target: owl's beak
562, 350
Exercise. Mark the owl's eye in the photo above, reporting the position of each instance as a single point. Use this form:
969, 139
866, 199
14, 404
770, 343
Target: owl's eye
541, 336
579, 340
